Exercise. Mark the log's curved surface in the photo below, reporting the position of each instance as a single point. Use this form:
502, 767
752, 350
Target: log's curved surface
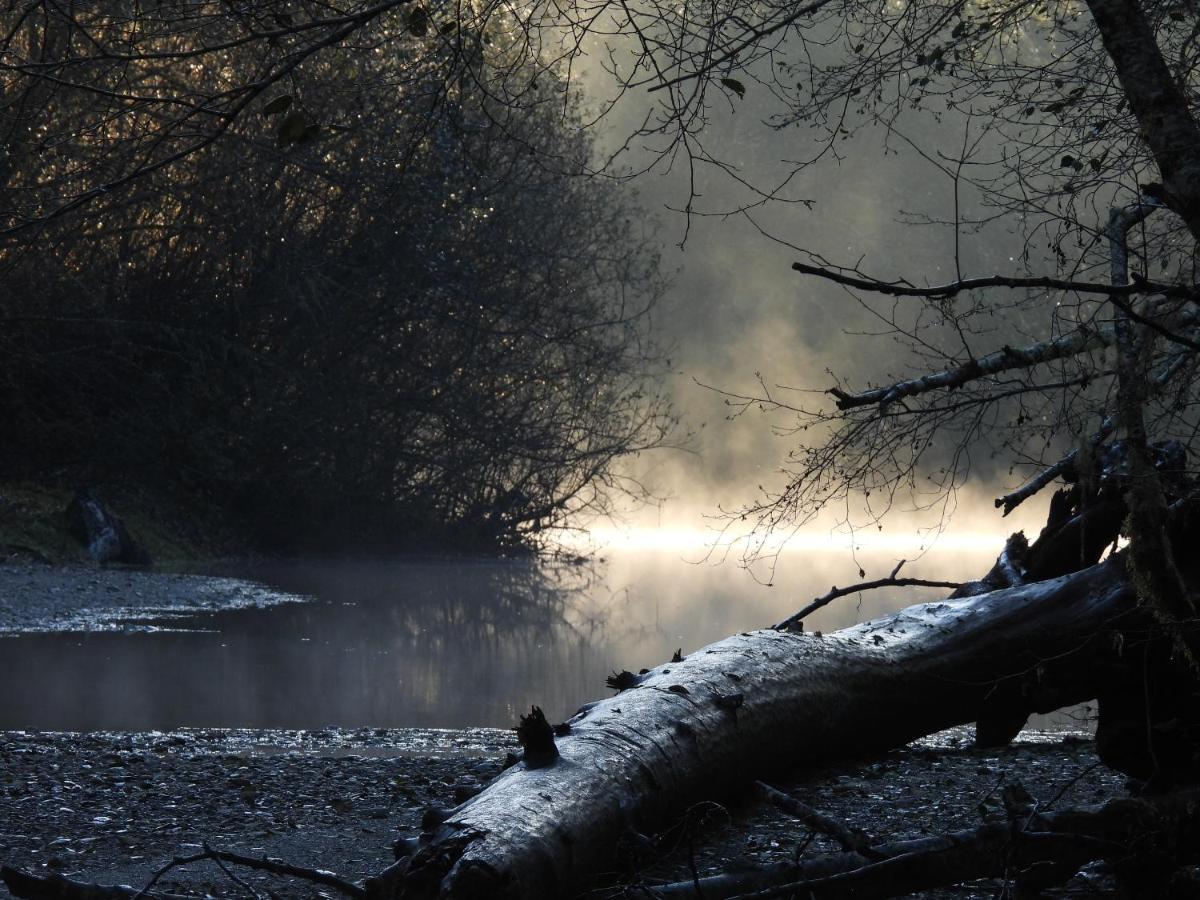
756, 701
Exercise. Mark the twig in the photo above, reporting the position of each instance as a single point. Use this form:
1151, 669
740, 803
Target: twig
852, 841
163, 870
232, 876
23, 884
279, 867
836, 592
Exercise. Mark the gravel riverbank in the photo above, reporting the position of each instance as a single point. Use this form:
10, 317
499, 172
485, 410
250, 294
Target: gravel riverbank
112, 807
38, 598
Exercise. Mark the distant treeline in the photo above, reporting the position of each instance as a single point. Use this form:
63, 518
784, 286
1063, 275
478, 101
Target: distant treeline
383, 307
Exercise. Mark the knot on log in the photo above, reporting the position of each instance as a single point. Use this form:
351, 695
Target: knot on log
621, 681
537, 739
729, 702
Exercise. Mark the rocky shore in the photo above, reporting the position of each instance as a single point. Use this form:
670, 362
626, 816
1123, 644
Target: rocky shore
35, 597
112, 807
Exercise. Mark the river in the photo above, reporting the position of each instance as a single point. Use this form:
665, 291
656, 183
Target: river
427, 642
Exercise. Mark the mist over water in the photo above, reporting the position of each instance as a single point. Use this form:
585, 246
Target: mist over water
434, 643
738, 319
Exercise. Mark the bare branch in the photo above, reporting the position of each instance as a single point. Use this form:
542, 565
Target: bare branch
1012, 500
751, 39
835, 592
1079, 341
897, 289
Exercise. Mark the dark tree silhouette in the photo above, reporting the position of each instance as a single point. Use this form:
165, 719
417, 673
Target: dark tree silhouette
378, 306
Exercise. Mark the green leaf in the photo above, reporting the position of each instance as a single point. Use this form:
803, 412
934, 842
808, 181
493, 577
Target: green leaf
734, 85
448, 27
278, 105
293, 129
418, 21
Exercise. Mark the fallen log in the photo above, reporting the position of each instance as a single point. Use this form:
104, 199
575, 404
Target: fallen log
761, 701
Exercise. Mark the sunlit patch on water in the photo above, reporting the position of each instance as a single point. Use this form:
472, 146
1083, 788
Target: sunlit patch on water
698, 544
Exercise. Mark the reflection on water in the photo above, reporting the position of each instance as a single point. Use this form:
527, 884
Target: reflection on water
424, 642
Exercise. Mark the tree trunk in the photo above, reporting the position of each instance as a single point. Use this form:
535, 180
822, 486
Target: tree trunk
1155, 98
764, 700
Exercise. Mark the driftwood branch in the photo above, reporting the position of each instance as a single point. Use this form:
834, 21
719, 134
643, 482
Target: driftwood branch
1083, 339
59, 887
1009, 570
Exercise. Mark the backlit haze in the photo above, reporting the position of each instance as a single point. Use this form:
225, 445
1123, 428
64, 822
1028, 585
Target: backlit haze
736, 311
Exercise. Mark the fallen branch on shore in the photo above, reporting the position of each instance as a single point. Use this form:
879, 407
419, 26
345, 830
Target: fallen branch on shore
1148, 837
47, 887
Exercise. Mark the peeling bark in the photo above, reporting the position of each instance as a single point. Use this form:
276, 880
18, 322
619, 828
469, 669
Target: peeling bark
760, 701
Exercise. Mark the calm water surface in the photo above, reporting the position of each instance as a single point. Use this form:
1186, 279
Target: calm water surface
425, 643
